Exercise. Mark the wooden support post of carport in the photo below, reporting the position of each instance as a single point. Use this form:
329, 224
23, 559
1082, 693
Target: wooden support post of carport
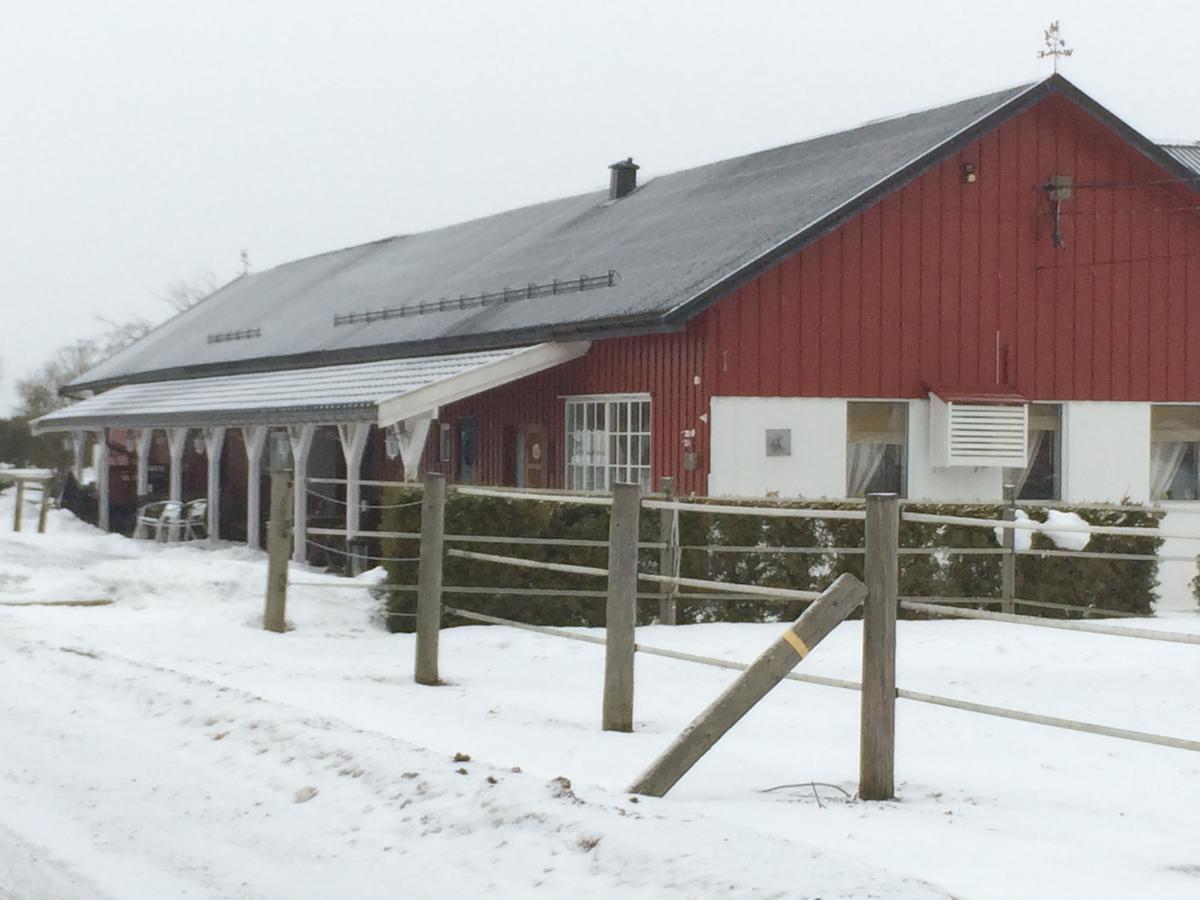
214, 444
301, 437
353, 436
143, 437
100, 462
254, 438
176, 444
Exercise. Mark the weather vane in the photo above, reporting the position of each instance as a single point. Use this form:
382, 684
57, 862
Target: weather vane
1056, 45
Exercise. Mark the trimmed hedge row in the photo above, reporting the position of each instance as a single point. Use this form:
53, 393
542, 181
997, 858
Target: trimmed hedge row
1126, 586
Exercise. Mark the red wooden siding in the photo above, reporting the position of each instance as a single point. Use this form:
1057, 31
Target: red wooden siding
940, 283
663, 365
949, 283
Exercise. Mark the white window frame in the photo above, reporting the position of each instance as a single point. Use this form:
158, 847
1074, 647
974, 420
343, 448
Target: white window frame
593, 467
905, 446
1182, 444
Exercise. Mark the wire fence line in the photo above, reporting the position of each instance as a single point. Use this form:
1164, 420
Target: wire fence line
1187, 509
1146, 634
475, 590
363, 504
338, 551
479, 538
1032, 525
730, 586
1037, 604
778, 512
1002, 712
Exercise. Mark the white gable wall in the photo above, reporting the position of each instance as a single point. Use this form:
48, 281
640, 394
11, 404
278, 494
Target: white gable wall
1106, 459
740, 466
1106, 452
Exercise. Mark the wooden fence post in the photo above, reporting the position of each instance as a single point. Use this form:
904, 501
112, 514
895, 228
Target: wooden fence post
877, 726
773, 664
1008, 562
429, 578
45, 507
20, 504
668, 558
279, 548
621, 609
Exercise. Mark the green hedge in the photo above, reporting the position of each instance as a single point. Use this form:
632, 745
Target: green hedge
1109, 584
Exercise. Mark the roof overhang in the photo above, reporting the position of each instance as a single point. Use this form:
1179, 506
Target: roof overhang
384, 392
995, 394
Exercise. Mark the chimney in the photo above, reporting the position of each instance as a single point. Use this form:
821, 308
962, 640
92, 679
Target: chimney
623, 179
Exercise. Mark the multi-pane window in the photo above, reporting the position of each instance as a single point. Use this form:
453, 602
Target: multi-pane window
876, 448
607, 441
1041, 479
1175, 452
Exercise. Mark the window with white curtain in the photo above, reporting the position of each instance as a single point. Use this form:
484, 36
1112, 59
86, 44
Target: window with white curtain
607, 441
1041, 479
1175, 452
876, 448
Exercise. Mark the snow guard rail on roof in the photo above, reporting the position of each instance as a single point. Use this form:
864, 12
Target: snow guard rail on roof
508, 295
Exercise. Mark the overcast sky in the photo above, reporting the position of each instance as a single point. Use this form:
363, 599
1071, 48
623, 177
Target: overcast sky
142, 142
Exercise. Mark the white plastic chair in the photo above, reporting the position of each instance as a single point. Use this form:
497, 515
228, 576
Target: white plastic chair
159, 517
195, 520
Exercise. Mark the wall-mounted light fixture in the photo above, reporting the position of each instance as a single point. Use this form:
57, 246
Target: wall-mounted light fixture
969, 173
198, 444
279, 454
391, 442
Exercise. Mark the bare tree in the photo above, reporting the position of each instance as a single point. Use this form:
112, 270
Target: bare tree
37, 393
184, 293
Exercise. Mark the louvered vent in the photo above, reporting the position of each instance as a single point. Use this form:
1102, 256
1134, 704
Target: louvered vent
978, 434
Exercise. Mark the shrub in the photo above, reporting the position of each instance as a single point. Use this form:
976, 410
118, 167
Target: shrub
1120, 585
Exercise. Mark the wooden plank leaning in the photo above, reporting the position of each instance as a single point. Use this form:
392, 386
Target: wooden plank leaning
771, 667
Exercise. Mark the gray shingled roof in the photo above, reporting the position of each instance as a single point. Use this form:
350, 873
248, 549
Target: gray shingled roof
678, 242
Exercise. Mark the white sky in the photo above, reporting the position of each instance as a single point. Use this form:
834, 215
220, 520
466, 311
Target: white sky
144, 141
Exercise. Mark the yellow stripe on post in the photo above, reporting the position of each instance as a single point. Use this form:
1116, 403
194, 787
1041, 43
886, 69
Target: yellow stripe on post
798, 645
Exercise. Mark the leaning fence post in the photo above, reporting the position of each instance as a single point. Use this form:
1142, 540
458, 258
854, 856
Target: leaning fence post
621, 609
668, 559
279, 547
429, 578
772, 666
1008, 561
877, 727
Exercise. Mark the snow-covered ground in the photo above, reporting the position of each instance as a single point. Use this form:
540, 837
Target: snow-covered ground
166, 746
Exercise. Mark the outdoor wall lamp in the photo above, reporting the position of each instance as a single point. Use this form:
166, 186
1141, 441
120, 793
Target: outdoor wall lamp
391, 442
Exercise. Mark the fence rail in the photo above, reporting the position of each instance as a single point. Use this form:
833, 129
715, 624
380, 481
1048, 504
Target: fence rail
1145, 634
569, 569
882, 515
1002, 712
1032, 525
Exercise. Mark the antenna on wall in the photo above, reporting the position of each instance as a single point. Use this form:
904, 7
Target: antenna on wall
1056, 45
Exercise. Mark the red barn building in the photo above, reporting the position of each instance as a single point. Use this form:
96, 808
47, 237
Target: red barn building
1004, 289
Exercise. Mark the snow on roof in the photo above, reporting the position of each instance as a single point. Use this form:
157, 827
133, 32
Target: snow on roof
346, 392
